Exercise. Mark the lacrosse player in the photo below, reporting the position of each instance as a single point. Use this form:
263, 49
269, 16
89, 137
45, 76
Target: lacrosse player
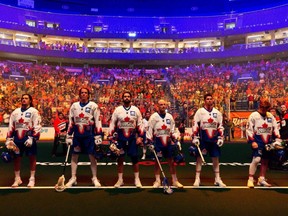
84, 134
207, 133
145, 125
126, 122
261, 129
23, 131
161, 136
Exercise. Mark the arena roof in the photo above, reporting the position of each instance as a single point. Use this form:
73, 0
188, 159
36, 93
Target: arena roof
149, 8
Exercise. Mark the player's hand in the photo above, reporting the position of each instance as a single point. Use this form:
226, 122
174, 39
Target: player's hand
29, 141
10, 144
220, 142
98, 140
114, 149
139, 141
69, 140
151, 147
254, 145
196, 141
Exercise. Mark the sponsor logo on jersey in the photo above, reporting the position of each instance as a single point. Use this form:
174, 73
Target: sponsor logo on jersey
207, 125
124, 124
27, 114
87, 109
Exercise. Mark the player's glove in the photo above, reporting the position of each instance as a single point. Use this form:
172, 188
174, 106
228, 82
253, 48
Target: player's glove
29, 141
98, 140
69, 140
196, 141
220, 142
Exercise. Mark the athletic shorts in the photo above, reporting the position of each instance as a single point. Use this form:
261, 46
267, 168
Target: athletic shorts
83, 145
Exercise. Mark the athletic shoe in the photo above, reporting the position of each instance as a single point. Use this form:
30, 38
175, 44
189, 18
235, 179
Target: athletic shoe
143, 157
17, 182
196, 182
31, 182
96, 182
119, 183
263, 182
72, 182
177, 184
138, 183
156, 184
250, 183
219, 183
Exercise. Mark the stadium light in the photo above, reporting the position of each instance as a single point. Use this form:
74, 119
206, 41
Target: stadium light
132, 34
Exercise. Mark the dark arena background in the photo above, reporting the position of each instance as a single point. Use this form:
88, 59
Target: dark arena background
176, 50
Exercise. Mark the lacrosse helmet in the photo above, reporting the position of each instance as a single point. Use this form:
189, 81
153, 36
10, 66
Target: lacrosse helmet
179, 158
193, 151
281, 155
6, 157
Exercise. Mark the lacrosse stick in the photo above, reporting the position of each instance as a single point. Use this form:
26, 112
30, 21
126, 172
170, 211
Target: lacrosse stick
201, 155
60, 186
166, 187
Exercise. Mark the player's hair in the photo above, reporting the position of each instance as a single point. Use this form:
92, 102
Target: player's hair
86, 89
30, 98
207, 95
126, 92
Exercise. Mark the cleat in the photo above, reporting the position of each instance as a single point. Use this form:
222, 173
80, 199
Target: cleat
263, 182
250, 183
156, 184
72, 182
138, 183
177, 184
143, 157
219, 183
196, 182
119, 183
96, 182
17, 182
31, 182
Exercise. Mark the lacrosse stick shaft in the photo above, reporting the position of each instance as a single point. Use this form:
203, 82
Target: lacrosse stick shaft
66, 159
159, 164
201, 155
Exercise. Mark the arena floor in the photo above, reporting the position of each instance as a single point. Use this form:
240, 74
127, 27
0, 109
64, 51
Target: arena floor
84, 199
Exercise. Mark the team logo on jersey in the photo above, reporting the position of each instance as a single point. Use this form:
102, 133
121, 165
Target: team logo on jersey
28, 115
214, 115
168, 121
269, 120
132, 113
87, 109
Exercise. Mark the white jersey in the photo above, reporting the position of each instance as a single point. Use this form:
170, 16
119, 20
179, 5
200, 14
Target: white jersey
84, 119
208, 125
261, 129
145, 124
127, 122
161, 129
24, 123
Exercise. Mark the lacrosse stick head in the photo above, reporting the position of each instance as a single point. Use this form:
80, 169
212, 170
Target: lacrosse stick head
60, 186
166, 187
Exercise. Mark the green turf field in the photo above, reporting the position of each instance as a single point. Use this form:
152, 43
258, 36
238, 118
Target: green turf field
236, 199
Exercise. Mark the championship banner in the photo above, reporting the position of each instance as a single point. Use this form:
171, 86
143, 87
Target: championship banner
239, 120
